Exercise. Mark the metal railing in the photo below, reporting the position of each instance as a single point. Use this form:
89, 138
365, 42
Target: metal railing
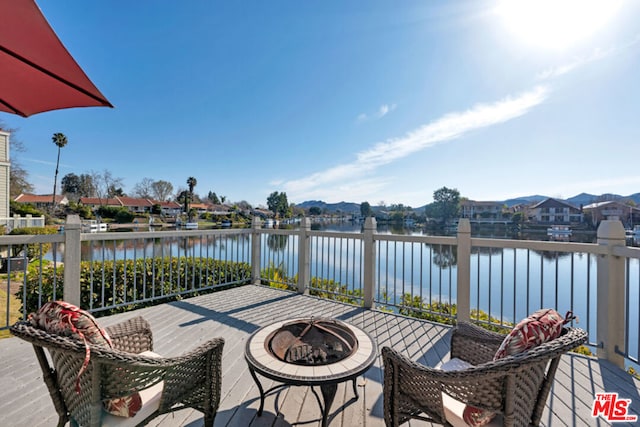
491, 281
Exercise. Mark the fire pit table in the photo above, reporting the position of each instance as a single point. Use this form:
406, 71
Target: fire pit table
311, 351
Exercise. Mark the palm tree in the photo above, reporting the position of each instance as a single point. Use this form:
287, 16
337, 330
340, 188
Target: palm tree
60, 140
191, 182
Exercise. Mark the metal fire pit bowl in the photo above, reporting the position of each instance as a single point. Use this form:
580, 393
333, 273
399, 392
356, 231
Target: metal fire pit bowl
311, 351
312, 342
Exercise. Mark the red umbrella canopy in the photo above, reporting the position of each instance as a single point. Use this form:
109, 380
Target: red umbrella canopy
37, 73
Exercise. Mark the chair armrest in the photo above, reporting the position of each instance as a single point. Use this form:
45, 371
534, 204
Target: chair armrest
411, 388
474, 344
197, 373
131, 336
187, 378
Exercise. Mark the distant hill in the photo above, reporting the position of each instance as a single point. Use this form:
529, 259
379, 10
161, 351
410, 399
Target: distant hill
344, 207
584, 199
525, 200
581, 199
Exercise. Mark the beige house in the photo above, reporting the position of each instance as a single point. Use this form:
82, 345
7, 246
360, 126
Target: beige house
136, 205
554, 211
473, 209
42, 201
96, 202
4, 174
200, 207
612, 210
169, 208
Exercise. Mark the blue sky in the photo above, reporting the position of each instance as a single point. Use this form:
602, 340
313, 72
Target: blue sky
378, 101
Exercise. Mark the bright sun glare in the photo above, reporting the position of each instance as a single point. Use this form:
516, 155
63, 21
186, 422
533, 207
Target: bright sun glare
556, 24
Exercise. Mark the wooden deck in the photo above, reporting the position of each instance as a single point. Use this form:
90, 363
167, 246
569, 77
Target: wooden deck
235, 313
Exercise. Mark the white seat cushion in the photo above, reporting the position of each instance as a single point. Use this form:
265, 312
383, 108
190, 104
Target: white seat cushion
150, 403
453, 408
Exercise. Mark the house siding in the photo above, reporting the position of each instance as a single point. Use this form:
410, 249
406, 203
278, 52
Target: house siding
5, 166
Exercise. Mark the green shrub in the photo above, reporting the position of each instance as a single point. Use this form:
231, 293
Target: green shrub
330, 289
83, 211
122, 282
23, 209
124, 216
118, 214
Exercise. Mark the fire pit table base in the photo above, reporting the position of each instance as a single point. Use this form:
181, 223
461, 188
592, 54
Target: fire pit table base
328, 395
262, 361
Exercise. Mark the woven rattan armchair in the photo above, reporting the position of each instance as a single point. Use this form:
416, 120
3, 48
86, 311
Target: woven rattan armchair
191, 380
515, 387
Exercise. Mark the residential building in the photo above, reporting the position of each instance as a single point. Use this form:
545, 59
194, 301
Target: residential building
611, 210
136, 205
168, 208
200, 207
96, 202
554, 211
42, 201
473, 209
4, 173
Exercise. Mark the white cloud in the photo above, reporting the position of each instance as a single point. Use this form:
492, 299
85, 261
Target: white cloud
362, 118
448, 127
383, 110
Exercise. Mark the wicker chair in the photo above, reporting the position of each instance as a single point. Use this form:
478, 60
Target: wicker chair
191, 380
515, 387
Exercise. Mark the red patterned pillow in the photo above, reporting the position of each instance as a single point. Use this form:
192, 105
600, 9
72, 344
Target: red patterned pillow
62, 318
542, 326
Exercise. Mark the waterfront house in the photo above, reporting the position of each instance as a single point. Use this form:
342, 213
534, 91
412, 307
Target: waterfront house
136, 205
201, 208
95, 202
42, 201
169, 208
611, 210
473, 209
554, 211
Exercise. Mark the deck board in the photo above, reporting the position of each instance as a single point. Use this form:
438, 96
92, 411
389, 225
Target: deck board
235, 313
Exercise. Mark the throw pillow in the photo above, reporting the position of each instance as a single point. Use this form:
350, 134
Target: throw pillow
62, 318
542, 326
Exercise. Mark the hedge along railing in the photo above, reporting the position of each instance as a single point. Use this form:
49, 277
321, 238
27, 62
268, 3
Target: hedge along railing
119, 285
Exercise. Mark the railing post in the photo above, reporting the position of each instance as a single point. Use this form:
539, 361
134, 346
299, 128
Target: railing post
464, 270
256, 225
369, 273
610, 294
304, 256
72, 257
